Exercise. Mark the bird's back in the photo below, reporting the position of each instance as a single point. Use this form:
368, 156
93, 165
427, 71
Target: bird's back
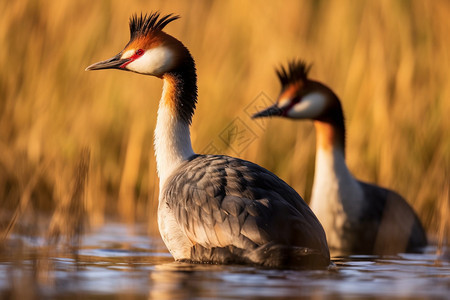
385, 224
234, 211
390, 222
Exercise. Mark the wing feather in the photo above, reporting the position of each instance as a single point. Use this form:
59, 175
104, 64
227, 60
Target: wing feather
221, 201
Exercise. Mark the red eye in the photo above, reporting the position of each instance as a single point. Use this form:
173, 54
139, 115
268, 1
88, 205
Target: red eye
139, 52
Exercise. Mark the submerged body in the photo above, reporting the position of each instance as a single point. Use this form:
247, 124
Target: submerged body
357, 217
214, 209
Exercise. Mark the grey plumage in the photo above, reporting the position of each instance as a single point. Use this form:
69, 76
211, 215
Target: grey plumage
387, 225
234, 211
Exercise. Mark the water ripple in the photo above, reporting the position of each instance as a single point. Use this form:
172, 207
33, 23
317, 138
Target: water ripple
118, 260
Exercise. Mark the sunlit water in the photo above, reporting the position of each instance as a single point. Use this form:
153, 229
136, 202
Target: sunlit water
117, 261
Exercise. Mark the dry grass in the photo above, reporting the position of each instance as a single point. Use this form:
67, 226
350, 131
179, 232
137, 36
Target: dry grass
387, 60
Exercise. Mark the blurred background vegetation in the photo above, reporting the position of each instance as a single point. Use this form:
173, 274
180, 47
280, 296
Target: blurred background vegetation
76, 147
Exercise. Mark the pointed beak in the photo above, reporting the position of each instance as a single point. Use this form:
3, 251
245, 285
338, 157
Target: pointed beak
273, 110
113, 63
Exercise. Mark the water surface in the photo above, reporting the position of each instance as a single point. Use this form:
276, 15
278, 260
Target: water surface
119, 261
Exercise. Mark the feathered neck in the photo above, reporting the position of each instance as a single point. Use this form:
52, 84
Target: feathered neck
176, 108
330, 128
180, 86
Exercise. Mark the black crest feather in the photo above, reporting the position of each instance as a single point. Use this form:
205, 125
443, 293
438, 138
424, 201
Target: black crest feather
144, 24
295, 71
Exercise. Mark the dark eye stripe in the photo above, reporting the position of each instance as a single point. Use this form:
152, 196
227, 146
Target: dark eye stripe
296, 100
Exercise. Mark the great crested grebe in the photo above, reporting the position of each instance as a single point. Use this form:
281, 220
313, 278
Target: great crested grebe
213, 208
357, 217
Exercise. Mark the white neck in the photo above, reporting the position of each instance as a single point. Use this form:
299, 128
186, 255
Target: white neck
172, 140
336, 193
337, 198
330, 170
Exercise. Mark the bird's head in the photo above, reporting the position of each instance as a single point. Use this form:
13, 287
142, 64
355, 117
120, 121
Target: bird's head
300, 97
150, 51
